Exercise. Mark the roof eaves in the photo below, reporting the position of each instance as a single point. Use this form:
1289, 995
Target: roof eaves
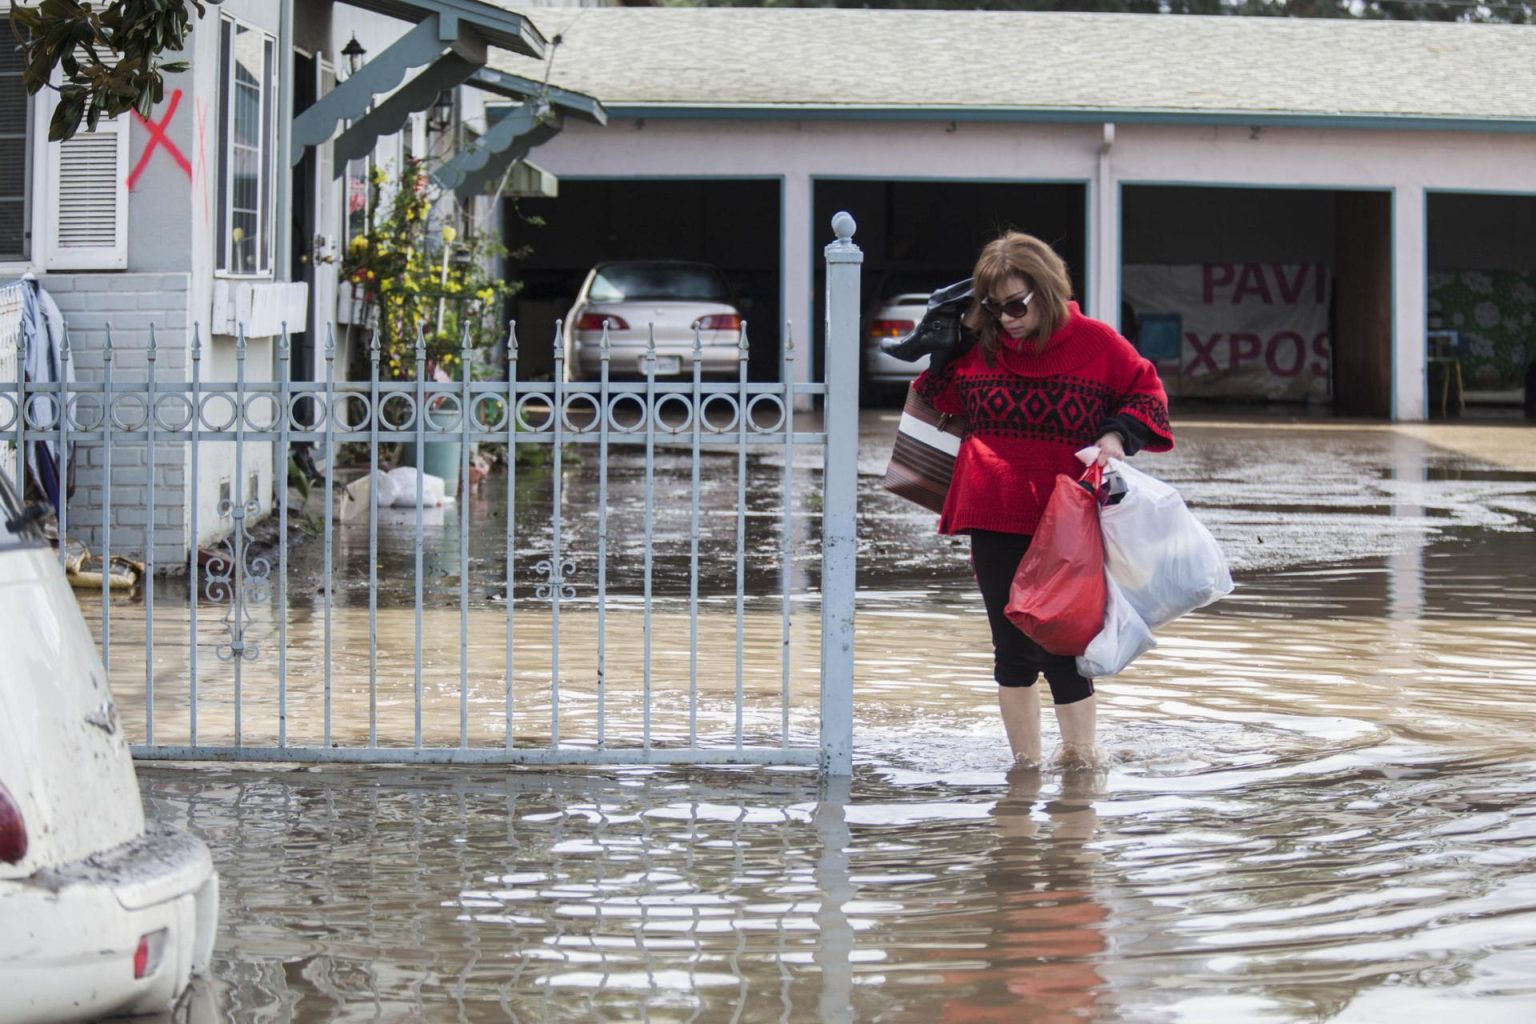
1068, 115
499, 27
576, 104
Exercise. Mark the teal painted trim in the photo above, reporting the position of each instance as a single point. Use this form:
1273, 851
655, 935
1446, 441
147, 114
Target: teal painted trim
671, 177
1392, 410
1424, 284
1091, 242
922, 178
1493, 193
1251, 186
502, 28
516, 87
783, 276
1512, 193
1389, 190
983, 115
816, 369
1120, 276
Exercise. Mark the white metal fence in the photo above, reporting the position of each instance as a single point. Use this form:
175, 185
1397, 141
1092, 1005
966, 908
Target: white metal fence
257, 658
10, 360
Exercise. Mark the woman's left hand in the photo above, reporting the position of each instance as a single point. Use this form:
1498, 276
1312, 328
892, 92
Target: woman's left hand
1110, 447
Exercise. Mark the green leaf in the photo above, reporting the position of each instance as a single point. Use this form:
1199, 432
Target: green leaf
65, 122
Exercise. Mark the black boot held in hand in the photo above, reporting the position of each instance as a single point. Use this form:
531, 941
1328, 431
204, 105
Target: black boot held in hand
940, 334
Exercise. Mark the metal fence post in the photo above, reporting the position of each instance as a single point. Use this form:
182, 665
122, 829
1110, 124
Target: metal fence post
840, 478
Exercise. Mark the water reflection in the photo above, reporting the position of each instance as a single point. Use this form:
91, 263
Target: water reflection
1047, 931
1319, 804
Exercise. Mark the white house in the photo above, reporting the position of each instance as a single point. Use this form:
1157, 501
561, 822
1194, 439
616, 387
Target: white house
231, 203
1300, 208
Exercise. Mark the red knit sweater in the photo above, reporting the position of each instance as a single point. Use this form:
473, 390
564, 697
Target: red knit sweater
1029, 413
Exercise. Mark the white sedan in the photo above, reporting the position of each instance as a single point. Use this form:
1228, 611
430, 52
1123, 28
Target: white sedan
671, 300
98, 915
894, 318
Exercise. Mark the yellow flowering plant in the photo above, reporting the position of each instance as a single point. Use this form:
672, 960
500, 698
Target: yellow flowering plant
408, 275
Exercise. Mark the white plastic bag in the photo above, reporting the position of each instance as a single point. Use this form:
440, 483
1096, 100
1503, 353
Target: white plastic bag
354, 500
1124, 638
397, 489
1165, 561
403, 478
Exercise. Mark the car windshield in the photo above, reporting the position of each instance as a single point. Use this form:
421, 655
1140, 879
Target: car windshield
652, 281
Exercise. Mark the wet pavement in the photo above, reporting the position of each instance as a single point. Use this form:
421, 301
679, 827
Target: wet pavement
1316, 805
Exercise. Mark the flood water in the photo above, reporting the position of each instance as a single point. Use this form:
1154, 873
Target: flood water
1318, 799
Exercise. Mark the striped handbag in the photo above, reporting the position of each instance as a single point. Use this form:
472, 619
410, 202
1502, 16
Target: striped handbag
924, 457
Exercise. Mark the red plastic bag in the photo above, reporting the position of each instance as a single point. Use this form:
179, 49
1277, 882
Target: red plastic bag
1058, 593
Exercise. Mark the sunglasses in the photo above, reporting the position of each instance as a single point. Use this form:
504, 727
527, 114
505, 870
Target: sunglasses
1013, 307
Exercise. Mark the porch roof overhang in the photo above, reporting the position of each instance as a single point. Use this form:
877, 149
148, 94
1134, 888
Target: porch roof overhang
514, 131
576, 104
451, 40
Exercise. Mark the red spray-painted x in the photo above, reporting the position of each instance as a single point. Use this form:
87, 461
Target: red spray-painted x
157, 137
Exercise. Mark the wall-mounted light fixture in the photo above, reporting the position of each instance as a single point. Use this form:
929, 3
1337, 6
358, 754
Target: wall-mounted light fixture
441, 118
354, 53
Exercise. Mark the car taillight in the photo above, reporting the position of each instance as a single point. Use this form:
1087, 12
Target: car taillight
890, 328
13, 831
718, 322
595, 321
148, 953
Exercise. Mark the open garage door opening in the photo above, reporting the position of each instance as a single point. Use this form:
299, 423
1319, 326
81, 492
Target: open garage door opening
1481, 317
921, 235
732, 225
1262, 295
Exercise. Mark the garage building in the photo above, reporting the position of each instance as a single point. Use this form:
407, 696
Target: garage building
1316, 211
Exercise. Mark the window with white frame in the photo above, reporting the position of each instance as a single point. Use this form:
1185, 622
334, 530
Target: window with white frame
247, 147
15, 156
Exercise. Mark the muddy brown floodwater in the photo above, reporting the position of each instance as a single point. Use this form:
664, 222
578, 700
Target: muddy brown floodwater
1319, 801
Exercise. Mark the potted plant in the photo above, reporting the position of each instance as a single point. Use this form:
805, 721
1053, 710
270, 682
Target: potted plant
413, 276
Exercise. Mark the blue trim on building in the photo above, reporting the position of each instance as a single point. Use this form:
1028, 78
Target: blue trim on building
1252, 186
1120, 269
1090, 245
1424, 312
1017, 115
1393, 413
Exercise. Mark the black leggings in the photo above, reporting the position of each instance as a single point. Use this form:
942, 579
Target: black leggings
1018, 660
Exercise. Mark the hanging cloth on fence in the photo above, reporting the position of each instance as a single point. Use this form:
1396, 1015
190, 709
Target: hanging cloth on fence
42, 328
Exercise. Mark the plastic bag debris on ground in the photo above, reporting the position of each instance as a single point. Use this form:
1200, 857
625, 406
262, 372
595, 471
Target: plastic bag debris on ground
396, 489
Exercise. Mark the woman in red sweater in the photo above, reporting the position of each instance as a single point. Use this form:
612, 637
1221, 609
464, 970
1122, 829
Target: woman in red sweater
1041, 382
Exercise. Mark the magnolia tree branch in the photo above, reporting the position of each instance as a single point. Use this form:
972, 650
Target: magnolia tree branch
106, 56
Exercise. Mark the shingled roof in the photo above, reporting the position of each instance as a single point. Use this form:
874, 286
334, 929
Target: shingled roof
1025, 65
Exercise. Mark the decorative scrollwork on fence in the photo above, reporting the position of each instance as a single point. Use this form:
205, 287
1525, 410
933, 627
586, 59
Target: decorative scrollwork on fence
555, 586
238, 580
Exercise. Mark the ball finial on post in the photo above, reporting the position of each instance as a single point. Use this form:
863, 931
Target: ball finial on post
843, 225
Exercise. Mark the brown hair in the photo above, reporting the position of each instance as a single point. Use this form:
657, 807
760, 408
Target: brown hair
1044, 273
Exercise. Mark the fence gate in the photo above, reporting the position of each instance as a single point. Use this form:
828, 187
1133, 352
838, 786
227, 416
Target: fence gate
639, 584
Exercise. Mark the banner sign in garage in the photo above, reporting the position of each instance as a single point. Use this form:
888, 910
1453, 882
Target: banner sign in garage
1246, 330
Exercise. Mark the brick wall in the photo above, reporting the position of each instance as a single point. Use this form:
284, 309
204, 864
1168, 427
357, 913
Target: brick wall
130, 304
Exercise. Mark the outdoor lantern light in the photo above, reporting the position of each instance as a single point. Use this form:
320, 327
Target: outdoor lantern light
354, 53
442, 111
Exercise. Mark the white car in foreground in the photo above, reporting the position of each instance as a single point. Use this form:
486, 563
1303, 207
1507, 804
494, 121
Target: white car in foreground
98, 916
